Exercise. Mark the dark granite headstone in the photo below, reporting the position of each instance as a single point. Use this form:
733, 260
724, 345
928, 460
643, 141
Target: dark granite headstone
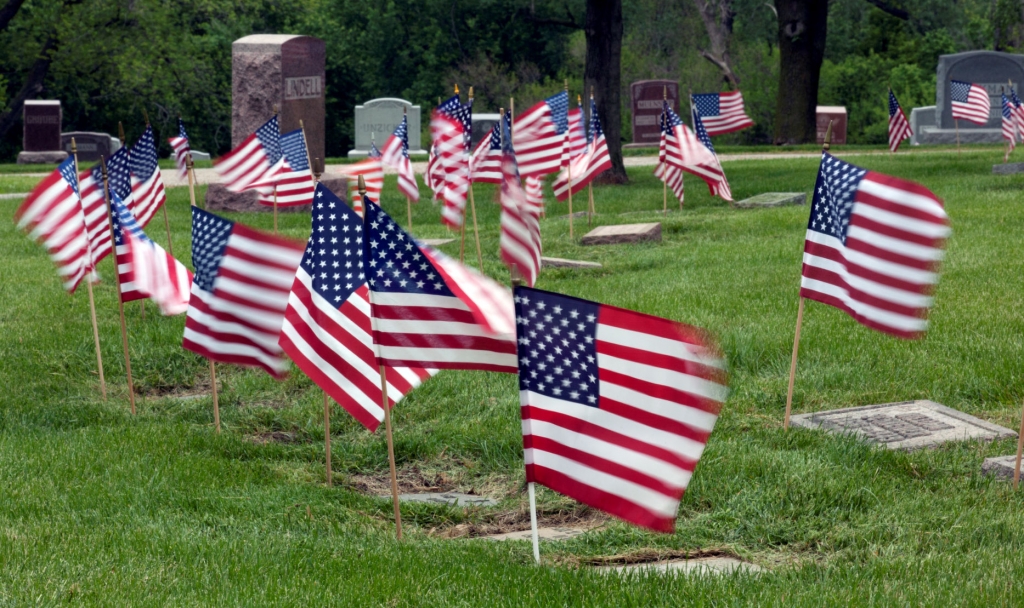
837, 116
41, 132
646, 98
993, 70
90, 145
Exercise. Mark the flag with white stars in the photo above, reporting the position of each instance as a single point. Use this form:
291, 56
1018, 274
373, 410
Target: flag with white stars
684, 151
540, 136
670, 174
899, 128
240, 292
447, 133
1018, 111
485, 165
429, 310
1009, 127
616, 405
873, 247
372, 170
144, 269
327, 330
181, 148
255, 162
969, 101
722, 112
94, 205
146, 180
593, 162
396, 154
293, 185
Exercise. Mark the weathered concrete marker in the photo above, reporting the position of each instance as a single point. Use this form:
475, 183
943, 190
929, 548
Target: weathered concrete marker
454, 499
773, 199
562, 263
622, 233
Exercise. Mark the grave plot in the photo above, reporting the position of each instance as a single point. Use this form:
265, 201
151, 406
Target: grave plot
562, 263
907, 425
454, 499
772, 199
999, 466
622, 233
671, 562
436, 242
1007, 168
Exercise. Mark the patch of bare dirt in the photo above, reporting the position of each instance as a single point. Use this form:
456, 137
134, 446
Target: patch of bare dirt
514, 520
649, 556
271, 437
411, 480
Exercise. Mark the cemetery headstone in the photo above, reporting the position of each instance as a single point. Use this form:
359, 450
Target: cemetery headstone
436, 242
999, 466
41, 132
773, 199
197, 155
835, 114
646, 98
453, 499
377, 119
91, 145
904, 426
622, 233
562, 263
555, 534
1007, 168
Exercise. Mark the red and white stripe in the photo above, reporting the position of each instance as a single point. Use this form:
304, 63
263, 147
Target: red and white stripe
485, 164
147, 196
373, 177
393, 156
538, 145
684, 151
520, 228
899, 129
292, 188
577, 133
732, 115
434, 175
976, 109
247, 166
583, 169
181, 152
1009, 128
155, 274
449, 145
673, 178
90, 184
52, 214
535, 194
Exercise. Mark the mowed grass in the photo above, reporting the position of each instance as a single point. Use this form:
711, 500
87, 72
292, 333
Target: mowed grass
99, 507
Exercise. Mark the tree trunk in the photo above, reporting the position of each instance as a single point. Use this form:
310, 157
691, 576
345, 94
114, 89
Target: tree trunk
8, 11
602, 74
32, 87
718, 16
802, 31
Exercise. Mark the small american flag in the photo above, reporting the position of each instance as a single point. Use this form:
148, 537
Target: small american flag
447, 130
691, 152
577, 133
722, 112
147, 181
540, 136
327, 331
90, 183
1009, 127
520, 220
592, 163
239, 293
372, 171
396, 154
144, 269
294, 183
435, 174
256, 161
873, 247
969, 101
671, 175
617, 406
485, 165
431, 311
52, 214
1018, 112
181, 149
535, 194
899, 128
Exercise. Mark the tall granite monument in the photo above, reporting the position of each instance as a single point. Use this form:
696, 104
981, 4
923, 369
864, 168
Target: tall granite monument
270, 70
993, 70
647, 98
41, 134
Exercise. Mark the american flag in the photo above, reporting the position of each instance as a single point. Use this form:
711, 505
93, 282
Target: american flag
485, 165
592, 163
431, 311
435, 174
181, 149
540, 136
535, 194
94, 205
447, 130
462, 112
1018, 111
577, 133
616, 405
693, 153
239, 293
722, 112
969, 101
294, 182
146, 180
52, 214
873, 247
520, 220
255, 162
1009, 127
899, 128
144, 269
372, 171
327, 331
396, 154
671, 175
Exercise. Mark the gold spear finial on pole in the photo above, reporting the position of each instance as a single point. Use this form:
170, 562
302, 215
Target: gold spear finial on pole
470, 93
456, 88
828, 137
120, 132
145, 116
361, 186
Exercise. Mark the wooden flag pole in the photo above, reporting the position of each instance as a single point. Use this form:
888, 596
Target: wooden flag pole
472, 207
387, 413
190, 171
664, 188
121, 138
327, 440
956, 122
800, 319
88, 283
167, 222
408, 201
120, 302
517, 281
568, 167
1020, 451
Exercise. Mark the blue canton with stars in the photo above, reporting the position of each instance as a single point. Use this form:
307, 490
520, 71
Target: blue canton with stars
374, 152
707, 104
702, 133
556, 338
894, 106
334, 253
210, 234
959, 91
669, 119
124, 220
142, 159
402, 133
1013, 96
293, 146
1007, 113
68, 171
454, 108
270, 136
395, 262
118, 173
559, 104
181, 129
595, 124
834, 194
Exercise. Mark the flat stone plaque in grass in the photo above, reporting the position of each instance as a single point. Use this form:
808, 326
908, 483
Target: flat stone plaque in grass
560, 263
622, 233
559, 533
455, 499
1000, 466
773, 199
907, 425
702, 565
436, 242
1008, 168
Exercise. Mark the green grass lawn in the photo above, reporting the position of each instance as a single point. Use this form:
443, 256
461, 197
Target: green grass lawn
99, 507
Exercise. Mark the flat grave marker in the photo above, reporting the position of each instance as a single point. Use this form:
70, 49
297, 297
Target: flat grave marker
907, 425
622, 233
999, 466
552, 534
700, 566
436, 242
562, 263
1007, 168
772, 199
454, 499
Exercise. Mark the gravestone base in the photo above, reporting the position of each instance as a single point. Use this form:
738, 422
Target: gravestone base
622, 233
699, 566
772, 199
337, 185
562, 263
436, 242
452, 499
553, 534
197, 155
219, 198
935, 135
1007, 168
52, 157
999, 466
907, 425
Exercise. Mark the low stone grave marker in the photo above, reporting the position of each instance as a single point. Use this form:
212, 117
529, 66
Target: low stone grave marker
773, 199
1007, 168
904, 426
999, 466
197, 155
562, 263
701, 565
436, 242
454, 499
622, 233
554, 534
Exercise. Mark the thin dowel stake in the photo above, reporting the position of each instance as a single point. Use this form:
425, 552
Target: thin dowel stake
327, 440
216, 401
533, 523
167, 227
120, 301
391, 451
476, 231
792, 364
88, 286
275, 209
1020, 450
190, 171
462, 239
